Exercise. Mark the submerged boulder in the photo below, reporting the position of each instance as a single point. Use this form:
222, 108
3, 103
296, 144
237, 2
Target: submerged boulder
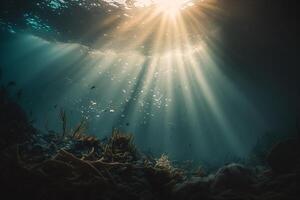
233, 176
195, 188
14, 124
285, 156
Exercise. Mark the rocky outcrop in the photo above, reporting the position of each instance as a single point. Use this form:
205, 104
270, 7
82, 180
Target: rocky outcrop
285, 156
233, 176
14, 125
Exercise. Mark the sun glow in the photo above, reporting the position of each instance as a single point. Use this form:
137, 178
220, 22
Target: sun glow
170, 8
167, 7
161, 62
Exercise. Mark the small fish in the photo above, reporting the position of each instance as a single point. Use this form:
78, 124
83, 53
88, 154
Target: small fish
11, 83
55, 106
93, 87
127, 124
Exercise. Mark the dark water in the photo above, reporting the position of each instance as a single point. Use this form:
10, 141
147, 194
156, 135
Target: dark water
203, 88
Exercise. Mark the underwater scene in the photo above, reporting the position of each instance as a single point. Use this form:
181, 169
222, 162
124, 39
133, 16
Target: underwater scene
150, 99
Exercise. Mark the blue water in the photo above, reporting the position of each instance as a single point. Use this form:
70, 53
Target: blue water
193, 101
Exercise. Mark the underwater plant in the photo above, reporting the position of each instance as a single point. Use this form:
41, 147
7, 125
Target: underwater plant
79, 132
120, 147
80, 129
63, 117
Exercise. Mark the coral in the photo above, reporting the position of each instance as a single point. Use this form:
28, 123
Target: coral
163, 163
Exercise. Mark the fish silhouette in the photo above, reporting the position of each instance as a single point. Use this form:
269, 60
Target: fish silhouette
11, 83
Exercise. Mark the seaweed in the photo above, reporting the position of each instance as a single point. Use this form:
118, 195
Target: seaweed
120, 147
80, 128
63, 117
78, 134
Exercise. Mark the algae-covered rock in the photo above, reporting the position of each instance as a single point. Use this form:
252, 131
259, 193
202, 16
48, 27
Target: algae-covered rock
234, 176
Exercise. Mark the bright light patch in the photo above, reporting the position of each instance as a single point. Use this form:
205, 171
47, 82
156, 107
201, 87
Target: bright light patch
162, 74
169, 7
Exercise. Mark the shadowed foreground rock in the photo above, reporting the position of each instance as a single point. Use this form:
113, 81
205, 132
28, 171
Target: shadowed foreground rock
14, 126
285, 156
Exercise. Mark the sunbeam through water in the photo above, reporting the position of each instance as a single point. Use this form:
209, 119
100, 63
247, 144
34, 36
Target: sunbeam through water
157, 69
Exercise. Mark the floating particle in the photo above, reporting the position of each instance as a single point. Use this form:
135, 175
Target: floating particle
93, 103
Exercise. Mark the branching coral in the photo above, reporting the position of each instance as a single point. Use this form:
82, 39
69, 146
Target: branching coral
163, 163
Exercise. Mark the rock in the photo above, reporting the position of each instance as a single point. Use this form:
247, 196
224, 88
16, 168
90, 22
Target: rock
195, 188
15, 127
233, 176
285, 156
37, 149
